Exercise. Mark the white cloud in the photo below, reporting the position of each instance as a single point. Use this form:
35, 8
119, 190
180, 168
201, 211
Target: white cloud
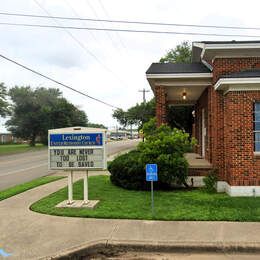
56, 54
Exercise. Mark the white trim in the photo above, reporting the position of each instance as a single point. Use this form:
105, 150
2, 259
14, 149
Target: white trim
203, 133
178, 84
238, 191
207, 65
179, 75
197, 181
238, 81
224, 46
198, 44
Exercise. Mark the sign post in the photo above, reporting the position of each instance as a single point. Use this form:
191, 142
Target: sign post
86, 187
151, 175
70, 187
77, 149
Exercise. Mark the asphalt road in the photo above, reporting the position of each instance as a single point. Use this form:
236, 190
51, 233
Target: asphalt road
20, 168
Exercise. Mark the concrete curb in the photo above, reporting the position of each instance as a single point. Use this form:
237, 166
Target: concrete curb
94, 247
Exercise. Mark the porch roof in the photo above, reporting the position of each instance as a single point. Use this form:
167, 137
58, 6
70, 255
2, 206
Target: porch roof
247, 80
179, 78
172, 68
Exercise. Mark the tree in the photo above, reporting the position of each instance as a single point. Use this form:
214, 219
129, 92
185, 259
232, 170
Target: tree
136, 115
179, 117
4, 105
36, 111
94, 125
182, 53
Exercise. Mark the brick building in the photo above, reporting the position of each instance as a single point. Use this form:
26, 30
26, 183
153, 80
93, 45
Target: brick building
223, 85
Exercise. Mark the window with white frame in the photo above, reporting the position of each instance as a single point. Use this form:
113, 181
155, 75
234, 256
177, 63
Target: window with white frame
257, 126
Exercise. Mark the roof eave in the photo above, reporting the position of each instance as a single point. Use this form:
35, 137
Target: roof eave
178, 75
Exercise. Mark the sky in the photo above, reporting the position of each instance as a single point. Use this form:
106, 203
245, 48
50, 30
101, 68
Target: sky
107, 65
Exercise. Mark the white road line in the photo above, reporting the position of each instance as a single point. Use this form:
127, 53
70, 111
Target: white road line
22, 170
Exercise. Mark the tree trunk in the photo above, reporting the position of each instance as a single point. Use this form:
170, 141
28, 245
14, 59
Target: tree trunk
32, 141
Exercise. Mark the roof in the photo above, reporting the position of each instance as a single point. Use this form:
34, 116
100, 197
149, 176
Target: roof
253, 73
229, 42
167, 68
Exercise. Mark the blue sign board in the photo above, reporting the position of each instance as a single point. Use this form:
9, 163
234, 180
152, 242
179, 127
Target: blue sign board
151, 172
89, 139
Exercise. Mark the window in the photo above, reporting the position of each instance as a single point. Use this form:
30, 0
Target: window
257, 126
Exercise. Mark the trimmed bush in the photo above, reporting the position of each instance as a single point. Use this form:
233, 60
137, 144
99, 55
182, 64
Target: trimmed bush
127, 171
210, 181
165, 147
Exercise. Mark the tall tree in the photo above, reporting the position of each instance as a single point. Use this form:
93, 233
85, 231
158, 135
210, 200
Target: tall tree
179, 117
36, 111
180, 54
4, 105
136, 115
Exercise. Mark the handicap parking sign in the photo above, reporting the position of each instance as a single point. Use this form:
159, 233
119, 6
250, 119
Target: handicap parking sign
151, 172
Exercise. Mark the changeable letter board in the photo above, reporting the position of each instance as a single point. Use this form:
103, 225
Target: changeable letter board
74, 151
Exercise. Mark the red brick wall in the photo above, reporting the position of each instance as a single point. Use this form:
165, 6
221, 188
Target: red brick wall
242, 168
160, 97
231, 126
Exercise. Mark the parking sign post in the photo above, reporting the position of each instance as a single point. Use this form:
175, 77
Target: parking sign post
151, 175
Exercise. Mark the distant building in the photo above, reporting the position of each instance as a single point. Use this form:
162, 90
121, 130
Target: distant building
6, 138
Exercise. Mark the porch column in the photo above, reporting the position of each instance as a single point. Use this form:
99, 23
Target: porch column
160, 98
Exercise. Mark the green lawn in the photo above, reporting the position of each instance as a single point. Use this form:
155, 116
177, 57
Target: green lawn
27, 186
116, 202
6, 149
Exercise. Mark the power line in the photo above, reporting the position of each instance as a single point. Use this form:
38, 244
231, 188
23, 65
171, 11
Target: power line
56, 81
128, 30
131, 22
107, 15
79, 42
95, 13
77, 16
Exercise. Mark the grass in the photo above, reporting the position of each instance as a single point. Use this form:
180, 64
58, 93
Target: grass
27, 186
116, 203
6, 149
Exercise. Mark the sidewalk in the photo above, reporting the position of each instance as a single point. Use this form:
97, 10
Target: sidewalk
29, 235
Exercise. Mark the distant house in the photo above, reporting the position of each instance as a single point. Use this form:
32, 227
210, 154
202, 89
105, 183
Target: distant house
6, 138
223, 85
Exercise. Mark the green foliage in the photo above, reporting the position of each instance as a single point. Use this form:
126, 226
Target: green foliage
181, 54
36, 111
118, 203
136, 115
128, 171
149, 128
4, 105
210, 181
27, 186
166, 148
94, 125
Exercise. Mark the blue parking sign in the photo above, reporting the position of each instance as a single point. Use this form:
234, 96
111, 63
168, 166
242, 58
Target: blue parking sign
151, 172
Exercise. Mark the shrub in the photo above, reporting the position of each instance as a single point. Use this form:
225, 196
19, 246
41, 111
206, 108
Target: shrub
165, 147
210, 181
127, 171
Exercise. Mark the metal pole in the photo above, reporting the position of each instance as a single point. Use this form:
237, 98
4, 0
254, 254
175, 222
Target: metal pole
152, 198
86, 187
70, 187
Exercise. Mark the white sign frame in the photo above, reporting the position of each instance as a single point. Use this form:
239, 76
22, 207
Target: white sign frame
78, 130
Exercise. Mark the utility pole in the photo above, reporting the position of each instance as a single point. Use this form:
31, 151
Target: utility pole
144, 91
